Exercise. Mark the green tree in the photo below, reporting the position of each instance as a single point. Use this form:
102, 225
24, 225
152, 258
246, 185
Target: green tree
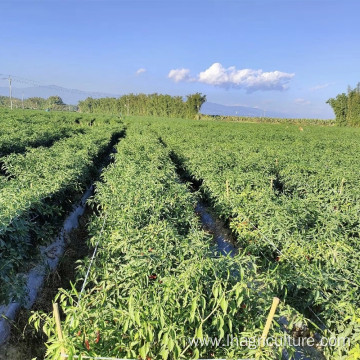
347, 107
35, 103
142, 104
194, 103
55, 103
339, 106
353, 115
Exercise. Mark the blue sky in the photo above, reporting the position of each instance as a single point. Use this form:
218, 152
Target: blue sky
285, 56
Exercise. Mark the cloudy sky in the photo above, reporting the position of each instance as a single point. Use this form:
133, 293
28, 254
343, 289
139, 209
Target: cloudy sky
285, 56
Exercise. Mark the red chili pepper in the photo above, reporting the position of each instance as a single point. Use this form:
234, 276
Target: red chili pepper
243, 306
87, 345
153, 277
78, 333
97, 337
277, 258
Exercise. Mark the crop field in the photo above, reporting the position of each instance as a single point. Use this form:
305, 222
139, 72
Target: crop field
45, 162
156, 282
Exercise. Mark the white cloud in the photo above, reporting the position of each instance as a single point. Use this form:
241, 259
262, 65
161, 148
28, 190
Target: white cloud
179, 75
302, 101
321, 86
140, 71
248, 79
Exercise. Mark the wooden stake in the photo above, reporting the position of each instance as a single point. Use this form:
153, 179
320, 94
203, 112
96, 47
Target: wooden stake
58, 328
269, 320
271, 183
227, 188
342, 185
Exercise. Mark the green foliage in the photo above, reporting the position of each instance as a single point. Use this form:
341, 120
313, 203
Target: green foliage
54, 103
38, 187
156, 283
253, 119
37, 103
21, 129
194, 103
292, 203
347, 107
290, 200
141, 104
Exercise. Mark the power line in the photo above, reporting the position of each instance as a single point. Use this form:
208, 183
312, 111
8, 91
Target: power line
34, 83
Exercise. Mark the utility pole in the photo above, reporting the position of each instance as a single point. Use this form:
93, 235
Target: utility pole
10, 93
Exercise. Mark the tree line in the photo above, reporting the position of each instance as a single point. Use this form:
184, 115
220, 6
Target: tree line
37, 103
142, 104
132, 104
347, 107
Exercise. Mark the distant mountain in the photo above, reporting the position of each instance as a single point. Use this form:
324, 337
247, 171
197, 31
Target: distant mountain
210, 108
69, 96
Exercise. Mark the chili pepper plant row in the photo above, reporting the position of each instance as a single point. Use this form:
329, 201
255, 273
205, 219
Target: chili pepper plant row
263, 119
292, 197
20, 129
39, 188
156, 283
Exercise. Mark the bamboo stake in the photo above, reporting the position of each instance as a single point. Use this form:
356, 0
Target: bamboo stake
342, 185
269, 320
58, 328
227, 188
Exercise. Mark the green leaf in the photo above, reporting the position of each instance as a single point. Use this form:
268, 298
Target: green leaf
143, 352
137, 318
224, 305
199, 332
193, 310
164, 353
